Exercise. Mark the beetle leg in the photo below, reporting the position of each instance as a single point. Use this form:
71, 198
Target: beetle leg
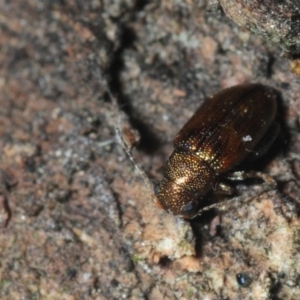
268, 185
242, 175
223, 189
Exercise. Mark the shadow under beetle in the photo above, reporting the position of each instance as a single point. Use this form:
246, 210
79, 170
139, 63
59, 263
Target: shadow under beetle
235, 125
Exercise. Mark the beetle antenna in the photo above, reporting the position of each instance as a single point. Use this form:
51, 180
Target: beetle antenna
268, 185
142, 173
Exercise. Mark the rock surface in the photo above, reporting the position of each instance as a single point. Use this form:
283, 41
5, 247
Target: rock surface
81, 224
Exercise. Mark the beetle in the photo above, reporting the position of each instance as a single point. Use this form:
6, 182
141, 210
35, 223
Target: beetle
235, 125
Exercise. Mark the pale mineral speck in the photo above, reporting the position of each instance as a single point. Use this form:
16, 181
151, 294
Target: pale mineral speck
247, 138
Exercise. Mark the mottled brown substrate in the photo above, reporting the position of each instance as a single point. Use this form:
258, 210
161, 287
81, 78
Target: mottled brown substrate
83, 225
278, 21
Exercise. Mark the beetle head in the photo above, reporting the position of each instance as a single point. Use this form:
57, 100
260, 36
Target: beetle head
187, 179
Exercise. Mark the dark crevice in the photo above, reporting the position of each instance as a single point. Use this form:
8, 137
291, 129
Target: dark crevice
140, 4
270, 66
119, 208
149, 142
165, 261
201, 235
275, 288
